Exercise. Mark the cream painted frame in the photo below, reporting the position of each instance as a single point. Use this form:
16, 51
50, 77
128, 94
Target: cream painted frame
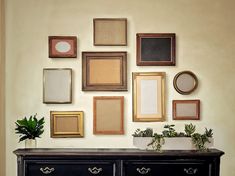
54, 115
46, 88
151, 79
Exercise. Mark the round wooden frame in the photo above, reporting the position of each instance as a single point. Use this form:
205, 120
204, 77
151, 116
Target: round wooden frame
182, 91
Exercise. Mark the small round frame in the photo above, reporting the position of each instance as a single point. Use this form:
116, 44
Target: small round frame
185, 82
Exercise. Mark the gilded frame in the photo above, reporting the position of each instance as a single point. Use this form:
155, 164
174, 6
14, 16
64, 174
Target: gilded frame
76, 119
104, 71
155, 49
67, 45
108, 115
190, 111
110, 31
52, 79
148, 96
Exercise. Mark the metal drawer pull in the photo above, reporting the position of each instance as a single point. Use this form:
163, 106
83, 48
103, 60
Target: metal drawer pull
95, 170
190, 171
143, 170
47, 170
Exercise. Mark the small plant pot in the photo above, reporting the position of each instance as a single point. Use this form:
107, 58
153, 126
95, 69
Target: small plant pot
172, 143
30, 143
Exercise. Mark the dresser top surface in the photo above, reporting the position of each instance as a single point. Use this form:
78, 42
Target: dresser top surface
113, 152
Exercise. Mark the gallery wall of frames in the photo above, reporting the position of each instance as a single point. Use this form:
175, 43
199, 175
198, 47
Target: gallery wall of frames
107, 71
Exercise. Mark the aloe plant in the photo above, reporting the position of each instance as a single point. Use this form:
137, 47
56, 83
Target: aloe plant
29, 128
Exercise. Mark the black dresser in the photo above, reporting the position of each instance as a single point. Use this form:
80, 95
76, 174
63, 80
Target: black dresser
116, 162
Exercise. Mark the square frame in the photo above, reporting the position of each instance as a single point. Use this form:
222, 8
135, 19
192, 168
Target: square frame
108, 108
155, 49
110, 31
190, 110
58, 121
148, 96
52, 79
104, 71
62, 46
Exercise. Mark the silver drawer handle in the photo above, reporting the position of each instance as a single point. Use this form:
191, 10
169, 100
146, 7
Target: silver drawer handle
190, 171
95, 170
143, 170
47, 170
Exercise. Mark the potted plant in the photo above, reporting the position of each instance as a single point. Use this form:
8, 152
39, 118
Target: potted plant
169, 139
29, 129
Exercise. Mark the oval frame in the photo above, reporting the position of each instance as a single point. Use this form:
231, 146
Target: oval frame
181, 91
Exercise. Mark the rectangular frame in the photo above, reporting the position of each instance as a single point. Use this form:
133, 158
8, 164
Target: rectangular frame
62, 46
104, 71
74, 118
190, 110
110, 31
108, 115
155, 49
54, 78
148, 96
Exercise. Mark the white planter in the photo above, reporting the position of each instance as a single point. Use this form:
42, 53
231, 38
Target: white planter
30, 143
173, 143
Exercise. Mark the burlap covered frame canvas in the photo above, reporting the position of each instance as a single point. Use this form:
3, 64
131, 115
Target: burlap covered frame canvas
110, 31
148, 96
66, 124
108, 115
186, 109
57, 85
104, 71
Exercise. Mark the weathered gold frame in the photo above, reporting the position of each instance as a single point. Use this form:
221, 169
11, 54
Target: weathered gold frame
103, 35
66, 114
160, 100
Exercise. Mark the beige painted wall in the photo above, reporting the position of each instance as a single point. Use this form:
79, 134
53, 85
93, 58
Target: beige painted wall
205, 45
2, 94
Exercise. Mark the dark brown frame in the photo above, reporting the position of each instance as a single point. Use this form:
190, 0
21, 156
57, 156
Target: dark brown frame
174, 110
181, 91
61, 55
109, 19
89, 56
80, 118
110, 132
70, 85
167, 62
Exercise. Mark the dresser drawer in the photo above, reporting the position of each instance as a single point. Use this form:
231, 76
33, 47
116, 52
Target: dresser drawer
70, 168
147, 168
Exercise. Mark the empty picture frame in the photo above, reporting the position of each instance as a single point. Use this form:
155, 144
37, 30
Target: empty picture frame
66, 124
148, 96
108, 115
57, 85
62, 46
110, 31
155, 49
186, 109
104, 71
185, 82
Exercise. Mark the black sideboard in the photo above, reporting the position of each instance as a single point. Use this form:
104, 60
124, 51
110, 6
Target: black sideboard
116, 162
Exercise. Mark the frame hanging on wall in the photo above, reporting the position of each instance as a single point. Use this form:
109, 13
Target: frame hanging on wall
108, 114
110, 31
66, 124
57, 85
62, 46
104, 71
155, 49
186, 109
148, 96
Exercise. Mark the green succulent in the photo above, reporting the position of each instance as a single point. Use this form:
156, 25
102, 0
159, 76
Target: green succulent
29, 128
189, 129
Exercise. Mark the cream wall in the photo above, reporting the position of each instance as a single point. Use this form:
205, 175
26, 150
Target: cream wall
2, 94
205, 45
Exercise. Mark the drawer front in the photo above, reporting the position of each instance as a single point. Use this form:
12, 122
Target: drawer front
62, 168
165, 169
